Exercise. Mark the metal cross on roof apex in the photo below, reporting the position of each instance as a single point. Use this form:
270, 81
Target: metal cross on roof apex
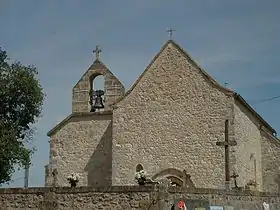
97, 51
170, 32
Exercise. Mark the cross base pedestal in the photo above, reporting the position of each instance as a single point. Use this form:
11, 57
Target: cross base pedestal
227, 185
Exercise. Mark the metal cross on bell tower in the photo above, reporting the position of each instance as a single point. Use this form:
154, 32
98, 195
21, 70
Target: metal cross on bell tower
97, 52
170, 32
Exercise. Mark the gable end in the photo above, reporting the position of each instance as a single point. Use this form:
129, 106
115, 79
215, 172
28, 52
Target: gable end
76, 115
187, 56
206, 75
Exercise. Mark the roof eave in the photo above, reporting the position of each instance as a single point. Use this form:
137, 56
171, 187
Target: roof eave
76, 114
244, 102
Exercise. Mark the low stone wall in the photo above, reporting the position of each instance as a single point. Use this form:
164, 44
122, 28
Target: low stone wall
129, 197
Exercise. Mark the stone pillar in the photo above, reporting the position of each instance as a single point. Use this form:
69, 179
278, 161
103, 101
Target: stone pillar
47, 176
161, 198
49, 202
54, 174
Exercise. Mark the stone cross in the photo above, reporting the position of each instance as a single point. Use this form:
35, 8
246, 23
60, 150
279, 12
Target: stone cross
54, 174
234, 176
226, 144
170, 32
97, 51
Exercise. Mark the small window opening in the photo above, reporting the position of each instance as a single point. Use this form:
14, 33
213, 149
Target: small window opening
139, 167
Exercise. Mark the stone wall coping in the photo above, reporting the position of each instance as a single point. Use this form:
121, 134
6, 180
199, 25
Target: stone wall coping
129, 189
62, 190
221, 192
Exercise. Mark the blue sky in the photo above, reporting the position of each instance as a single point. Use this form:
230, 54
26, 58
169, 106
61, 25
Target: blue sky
237, 42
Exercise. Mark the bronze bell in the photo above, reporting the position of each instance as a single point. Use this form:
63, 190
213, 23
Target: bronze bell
98, 101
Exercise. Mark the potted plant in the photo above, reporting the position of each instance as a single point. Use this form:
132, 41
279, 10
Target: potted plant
141, 177
73, 179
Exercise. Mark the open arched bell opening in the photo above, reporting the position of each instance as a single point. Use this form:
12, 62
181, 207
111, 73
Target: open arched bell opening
176, 177
97, 92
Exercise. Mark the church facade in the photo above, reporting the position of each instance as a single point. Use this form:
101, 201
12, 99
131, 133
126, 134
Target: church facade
176, 122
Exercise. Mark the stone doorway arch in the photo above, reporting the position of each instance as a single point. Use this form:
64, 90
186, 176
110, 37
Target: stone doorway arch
177, 177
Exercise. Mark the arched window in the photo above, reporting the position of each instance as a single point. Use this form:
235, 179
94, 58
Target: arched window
139, 167
98, 83
177, 177
175, 181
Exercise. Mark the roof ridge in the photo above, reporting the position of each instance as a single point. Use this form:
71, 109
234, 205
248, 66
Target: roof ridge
208, 76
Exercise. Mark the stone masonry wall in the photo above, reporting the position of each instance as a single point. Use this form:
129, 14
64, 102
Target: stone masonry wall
270, 163
248, 138
128, 198
172, 118
84, 146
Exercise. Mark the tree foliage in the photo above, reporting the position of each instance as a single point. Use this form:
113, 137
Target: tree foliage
21, 100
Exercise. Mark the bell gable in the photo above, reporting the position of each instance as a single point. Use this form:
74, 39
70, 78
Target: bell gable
84, 92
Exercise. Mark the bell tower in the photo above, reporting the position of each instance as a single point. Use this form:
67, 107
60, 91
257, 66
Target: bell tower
87, 98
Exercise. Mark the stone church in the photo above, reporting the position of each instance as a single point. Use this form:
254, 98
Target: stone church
176, 122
